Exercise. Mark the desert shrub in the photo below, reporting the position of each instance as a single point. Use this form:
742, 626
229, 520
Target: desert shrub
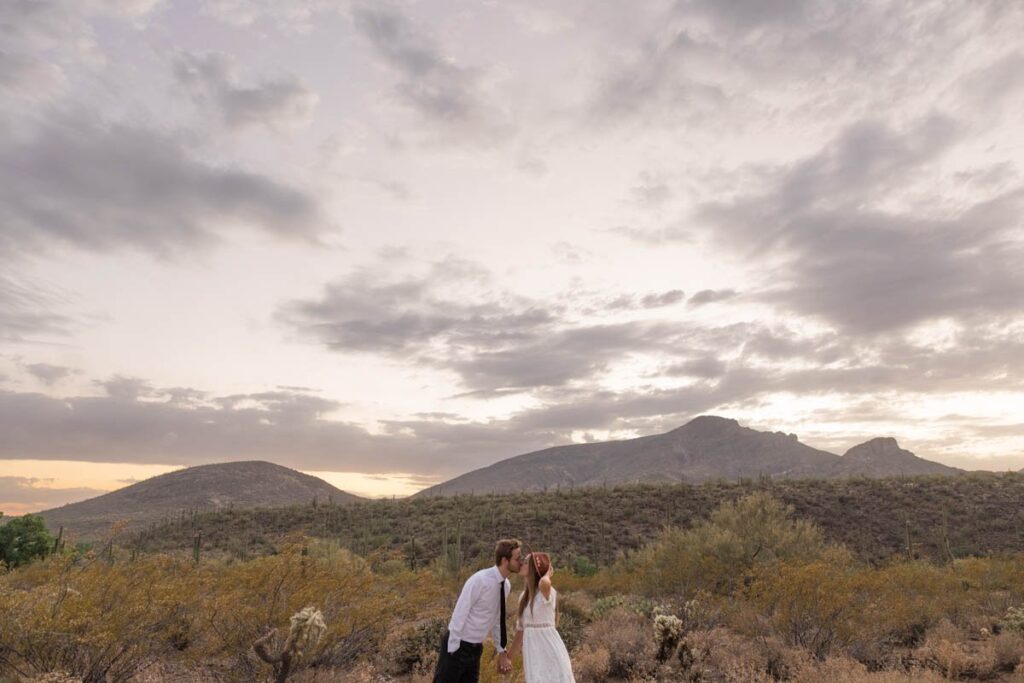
720, 655
626, 636
412, 645
699, 612
715, 555
591, 664
96, 621
1013, 620
828, 604
946, 648
603, 606
583, 566
108, 621
244, 600
810, 605
845, 670
903, 600
1009, 650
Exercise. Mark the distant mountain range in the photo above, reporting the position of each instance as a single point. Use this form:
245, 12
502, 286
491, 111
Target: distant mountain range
206, 487
703, 449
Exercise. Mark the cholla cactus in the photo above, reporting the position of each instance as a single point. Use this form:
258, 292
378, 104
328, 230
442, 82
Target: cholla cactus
307, 628
1014, 619
668, 631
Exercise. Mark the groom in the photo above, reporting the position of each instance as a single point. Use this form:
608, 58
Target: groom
480, 610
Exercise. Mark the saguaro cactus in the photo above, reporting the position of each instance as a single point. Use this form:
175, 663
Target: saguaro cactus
307, 629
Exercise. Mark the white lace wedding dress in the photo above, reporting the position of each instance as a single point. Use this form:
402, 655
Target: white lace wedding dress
545, 659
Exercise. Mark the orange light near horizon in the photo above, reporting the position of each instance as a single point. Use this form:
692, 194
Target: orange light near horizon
369, 485
55, 475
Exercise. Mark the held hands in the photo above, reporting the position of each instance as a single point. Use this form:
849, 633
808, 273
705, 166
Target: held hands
504, 663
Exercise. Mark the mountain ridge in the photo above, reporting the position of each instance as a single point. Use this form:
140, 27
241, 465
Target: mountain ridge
705, 448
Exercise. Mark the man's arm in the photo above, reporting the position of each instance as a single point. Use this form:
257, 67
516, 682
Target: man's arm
458, 623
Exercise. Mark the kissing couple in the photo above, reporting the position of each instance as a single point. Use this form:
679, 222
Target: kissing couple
480, 611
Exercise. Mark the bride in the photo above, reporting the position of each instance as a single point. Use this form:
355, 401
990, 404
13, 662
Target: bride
545, 659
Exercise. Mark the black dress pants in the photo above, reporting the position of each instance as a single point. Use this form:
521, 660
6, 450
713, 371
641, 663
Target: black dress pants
461, 666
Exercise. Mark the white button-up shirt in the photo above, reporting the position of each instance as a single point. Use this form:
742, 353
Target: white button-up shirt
477, 612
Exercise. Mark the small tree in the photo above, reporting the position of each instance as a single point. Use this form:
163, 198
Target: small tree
24, 539
754, 531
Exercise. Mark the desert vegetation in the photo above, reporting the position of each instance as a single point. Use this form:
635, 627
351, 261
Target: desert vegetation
937, 518
752, 592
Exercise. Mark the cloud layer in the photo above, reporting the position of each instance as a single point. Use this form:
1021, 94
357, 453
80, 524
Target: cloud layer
86, 184
562, 222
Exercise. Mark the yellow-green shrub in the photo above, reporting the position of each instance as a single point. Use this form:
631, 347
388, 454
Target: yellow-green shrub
715, 555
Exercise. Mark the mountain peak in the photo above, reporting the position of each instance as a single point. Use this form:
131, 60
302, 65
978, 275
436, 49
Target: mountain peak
879, 447
710, 424
241, 484
882, 456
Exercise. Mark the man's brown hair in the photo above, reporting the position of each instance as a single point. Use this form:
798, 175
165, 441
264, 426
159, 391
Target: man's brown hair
503, 549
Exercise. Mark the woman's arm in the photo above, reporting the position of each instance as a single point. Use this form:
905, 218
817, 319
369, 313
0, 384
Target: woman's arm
545, 583
517, 643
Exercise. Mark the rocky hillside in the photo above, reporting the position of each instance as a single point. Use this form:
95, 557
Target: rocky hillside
202, 488
704, 449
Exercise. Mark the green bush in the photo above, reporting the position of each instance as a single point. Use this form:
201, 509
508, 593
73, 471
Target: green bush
716, 555
583, 566
24, 539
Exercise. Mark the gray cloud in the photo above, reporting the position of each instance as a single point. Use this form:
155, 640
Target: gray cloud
282, 426
728, 367
556, 357
49, 374
747, 15
494, 342
705, 367
996, 81
655, 85
708, 296
34, 493
43, 39
870, 269
211, 79
746, 63
445, 94
21, 74
79, 182
648, 301
652, 190
28, 310
297, 15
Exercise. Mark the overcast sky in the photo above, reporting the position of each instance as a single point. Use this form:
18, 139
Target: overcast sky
391, 242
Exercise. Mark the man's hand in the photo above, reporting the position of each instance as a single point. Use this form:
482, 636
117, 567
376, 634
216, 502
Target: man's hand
504, 663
